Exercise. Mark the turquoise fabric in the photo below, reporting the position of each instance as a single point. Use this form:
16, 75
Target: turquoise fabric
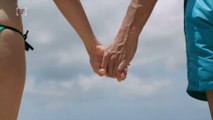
199, 47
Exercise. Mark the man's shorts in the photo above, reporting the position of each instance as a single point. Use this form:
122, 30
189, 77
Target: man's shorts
199, 47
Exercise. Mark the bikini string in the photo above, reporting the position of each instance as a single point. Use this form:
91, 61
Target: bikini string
27, 45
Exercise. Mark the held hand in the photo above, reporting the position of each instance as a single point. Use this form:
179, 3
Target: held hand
117, 57
96, 59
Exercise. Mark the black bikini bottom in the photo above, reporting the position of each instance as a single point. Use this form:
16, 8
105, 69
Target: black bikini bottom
27, 45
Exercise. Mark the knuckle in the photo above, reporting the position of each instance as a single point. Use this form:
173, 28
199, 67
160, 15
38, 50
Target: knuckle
119, 52
107, 54
119, 69
113, 57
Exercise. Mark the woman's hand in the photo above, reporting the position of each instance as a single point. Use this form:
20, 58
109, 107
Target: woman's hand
96, 57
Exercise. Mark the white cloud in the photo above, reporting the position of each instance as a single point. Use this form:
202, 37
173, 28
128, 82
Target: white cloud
75, 55
133, 87
46, 88
139, 87
44, 37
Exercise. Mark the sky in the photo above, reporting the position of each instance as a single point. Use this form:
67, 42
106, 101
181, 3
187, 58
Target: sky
60, 84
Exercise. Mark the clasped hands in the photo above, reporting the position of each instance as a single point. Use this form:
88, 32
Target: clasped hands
113, 60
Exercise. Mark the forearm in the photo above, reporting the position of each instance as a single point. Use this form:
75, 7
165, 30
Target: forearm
74, 13
135, 19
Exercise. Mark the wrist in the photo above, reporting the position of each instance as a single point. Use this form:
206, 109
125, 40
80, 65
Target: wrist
127, 35
91, 46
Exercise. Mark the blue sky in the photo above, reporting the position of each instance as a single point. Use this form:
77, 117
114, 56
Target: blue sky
61, 85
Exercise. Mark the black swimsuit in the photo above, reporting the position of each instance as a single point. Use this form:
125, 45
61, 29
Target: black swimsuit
27, 45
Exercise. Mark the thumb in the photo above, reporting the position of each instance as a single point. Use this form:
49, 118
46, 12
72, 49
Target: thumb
99, 51
99, 54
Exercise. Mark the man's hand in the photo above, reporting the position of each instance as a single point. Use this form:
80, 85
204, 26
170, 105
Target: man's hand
117, 56
96, 58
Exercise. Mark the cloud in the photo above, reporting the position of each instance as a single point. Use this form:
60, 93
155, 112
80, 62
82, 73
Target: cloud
136, 87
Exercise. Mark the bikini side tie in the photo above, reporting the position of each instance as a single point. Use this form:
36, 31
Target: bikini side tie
27, 45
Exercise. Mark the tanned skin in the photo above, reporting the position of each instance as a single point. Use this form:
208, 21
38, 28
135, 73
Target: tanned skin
118, 55
12, 61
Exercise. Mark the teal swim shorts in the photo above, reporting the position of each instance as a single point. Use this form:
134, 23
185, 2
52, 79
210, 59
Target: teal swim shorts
198, 22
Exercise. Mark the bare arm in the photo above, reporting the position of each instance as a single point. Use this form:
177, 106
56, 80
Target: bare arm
119, 54
74, 13
136, 17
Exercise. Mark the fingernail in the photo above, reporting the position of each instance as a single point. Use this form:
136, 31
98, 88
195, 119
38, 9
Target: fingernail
102, 72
